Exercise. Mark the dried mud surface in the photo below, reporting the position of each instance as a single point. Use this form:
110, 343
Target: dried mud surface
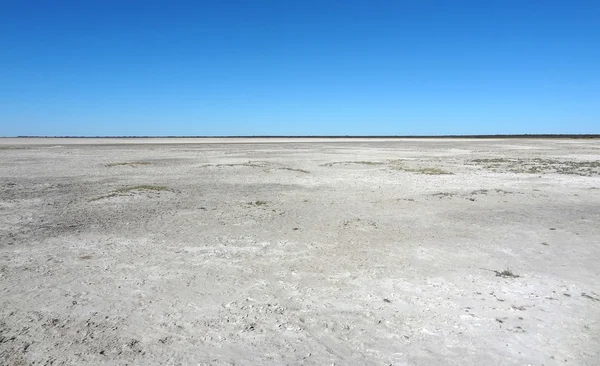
341, 252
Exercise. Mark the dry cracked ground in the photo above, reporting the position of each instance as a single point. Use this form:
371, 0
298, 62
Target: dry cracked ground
345, 252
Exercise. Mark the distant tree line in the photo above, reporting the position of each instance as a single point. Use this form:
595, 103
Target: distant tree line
516, 136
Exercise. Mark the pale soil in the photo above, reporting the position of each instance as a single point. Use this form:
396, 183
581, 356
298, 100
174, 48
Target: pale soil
325, 252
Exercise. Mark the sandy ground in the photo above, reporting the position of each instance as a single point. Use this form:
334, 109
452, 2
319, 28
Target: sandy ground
424, 252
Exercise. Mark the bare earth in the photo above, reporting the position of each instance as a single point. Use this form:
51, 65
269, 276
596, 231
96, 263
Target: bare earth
269, 252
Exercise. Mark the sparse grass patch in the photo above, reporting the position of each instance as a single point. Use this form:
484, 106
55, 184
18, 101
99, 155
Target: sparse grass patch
469, 195
507, 273
126, 190
360, 162
488, 191
143, 187
295, 170
257, 203
13, 147
492, 160
444, 194
130, 163
431, 171
541, 166
110, 195
251, 164
368, 162
589, 297
424, 170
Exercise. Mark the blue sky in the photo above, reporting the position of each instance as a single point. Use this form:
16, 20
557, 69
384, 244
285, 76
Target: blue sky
310, 67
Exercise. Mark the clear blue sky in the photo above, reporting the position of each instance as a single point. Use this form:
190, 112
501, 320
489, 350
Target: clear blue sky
306, 67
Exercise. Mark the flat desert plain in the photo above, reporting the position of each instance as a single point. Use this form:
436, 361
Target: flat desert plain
274, 251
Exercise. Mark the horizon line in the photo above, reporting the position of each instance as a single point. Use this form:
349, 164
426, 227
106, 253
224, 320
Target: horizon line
545, 135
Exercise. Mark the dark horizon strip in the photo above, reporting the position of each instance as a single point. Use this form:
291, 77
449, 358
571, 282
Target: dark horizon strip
515, 136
